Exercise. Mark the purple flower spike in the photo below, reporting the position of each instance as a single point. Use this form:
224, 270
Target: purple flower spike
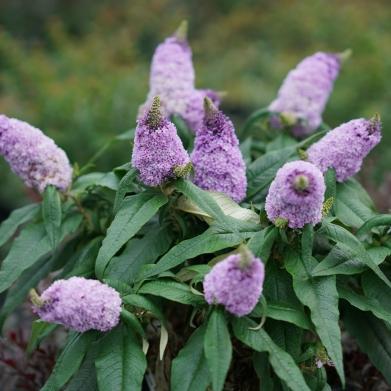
217, 160
79, 304
345, 147
236, 283
173, 80
33, 156
305, 91
296, 195
158, 153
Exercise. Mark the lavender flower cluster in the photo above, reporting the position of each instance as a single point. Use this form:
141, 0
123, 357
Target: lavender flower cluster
172, 78
236, 283
80, 304
305, 91
296, 195
34, 157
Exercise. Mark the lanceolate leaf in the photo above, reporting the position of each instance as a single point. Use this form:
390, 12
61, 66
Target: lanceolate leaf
218, 348
353, 206
126, 185
282, 363
52, 214
69, 361
208, 242
261, 243
262, 171
321, 297
15, 220
134, 213
30, 246
171, 290
39, 330
349, 247
189, 371
121, 363
376, 221
373, 336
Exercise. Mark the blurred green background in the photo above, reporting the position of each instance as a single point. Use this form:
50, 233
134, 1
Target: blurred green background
78, 69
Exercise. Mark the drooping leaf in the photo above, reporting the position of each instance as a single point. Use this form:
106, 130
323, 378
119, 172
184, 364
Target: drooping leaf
171, 290
189, 371
348, 248
52, 214
139, 252
321, 297
373, 337
376, 221
120, 363
18, 217
353, 206
217, 348
30, 246
380, 309
134, 213
282, 363
289, 314
69, 361
208, 242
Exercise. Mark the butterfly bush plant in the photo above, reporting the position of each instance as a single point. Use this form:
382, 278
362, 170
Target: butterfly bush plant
203, 263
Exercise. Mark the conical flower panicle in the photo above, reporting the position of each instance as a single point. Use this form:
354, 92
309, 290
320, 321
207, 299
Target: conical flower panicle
236, 283
296, 195
217, 160
172, 78
79, 304
33, 156
158, 153
345, 147
305, 91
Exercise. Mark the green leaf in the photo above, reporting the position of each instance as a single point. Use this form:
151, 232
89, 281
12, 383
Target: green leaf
262, 171
282, 363
121, 363
373, 337
376, 221
261, 243
39, 331
18, 217
69, 361
208, 242
380, 309
377, 292
139, 252
348, 248
131, 320
331, 184
29, 247
85, 378
171, 290
52, 214
263, 370
134, 213
189, 371
217, 348
289, 314
126, 185
103, 179
353, 206
321, 297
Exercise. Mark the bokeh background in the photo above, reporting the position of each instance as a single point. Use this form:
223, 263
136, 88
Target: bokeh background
78, 69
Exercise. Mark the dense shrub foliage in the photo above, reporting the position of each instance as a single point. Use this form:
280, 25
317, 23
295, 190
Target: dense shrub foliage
160, 275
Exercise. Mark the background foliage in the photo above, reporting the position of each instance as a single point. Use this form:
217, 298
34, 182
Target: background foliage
79, 69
